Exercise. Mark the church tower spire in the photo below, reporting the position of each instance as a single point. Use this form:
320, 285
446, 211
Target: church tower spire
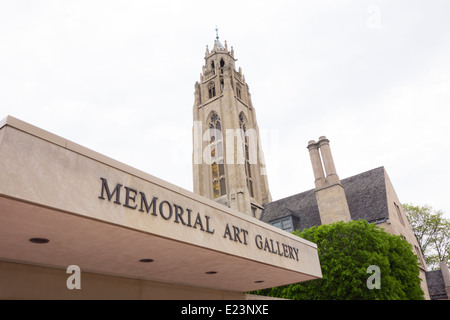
228, 162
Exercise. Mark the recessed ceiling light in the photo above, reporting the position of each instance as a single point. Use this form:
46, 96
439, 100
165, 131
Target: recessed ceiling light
38, 240
211, 272
146, 260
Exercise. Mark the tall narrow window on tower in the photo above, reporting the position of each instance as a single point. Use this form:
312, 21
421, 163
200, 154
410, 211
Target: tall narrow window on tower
222, 64
211, 90
245, 142
217, 167
238, 91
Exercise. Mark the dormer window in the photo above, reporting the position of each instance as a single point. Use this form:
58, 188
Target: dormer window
284, 224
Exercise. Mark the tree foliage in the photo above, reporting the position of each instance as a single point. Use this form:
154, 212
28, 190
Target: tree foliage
432, 231
346, 250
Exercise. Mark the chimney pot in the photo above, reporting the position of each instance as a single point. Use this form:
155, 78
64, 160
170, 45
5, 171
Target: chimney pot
319, 175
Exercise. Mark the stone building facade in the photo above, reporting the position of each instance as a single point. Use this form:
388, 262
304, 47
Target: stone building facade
76, 224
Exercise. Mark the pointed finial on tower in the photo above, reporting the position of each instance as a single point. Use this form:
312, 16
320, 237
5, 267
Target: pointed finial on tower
217, 44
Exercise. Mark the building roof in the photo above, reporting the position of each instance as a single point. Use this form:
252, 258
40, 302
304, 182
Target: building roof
219, 45
366, 197
436, 285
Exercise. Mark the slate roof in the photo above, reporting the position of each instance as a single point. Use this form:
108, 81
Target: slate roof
366, 198
436, 285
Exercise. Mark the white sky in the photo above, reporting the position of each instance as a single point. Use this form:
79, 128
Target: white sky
118, 77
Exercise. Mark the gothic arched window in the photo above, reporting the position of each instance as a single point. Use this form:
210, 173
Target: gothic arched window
217, 166
245, 144
238, 91
221, 84
211, 89
222, 64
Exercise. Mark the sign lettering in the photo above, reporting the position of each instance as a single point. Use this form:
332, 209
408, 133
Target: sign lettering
138, 200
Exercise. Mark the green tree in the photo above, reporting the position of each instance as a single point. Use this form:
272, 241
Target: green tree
346, 251
432, 231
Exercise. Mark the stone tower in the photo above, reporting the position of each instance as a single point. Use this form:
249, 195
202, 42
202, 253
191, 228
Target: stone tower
330, 194
228, 162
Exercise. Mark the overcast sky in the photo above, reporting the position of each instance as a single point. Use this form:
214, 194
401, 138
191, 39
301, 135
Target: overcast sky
118, 77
